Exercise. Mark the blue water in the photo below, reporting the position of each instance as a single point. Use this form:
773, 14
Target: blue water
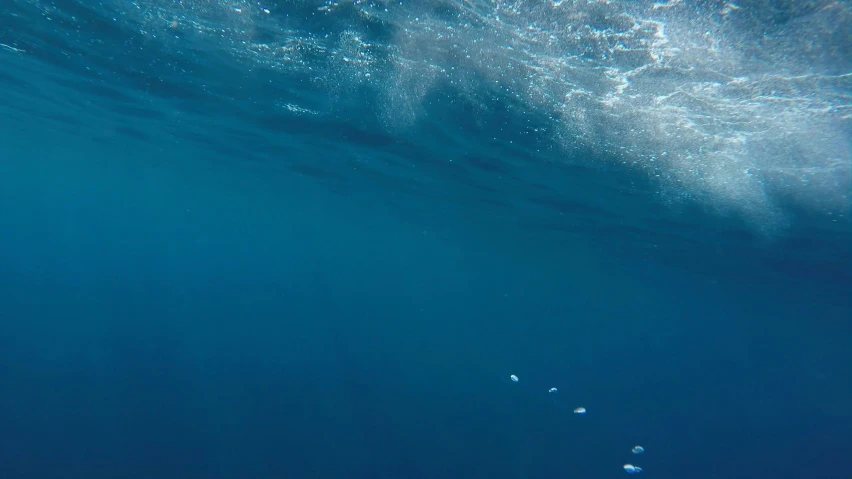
314, 239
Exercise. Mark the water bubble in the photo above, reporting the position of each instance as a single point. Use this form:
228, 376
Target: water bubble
638, 449
580, 410
631, 469
552, 390
514, 378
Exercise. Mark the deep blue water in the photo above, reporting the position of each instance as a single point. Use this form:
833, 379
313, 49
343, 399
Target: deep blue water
314, 239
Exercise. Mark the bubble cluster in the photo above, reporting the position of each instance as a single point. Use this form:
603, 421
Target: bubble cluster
636, 450
696, 96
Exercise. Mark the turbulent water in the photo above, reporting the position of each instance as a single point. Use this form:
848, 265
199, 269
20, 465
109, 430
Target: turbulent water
508, 108
329, 208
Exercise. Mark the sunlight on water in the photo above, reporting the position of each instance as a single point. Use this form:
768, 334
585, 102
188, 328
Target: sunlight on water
717, 104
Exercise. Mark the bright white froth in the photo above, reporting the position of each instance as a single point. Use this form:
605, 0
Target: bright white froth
703, 100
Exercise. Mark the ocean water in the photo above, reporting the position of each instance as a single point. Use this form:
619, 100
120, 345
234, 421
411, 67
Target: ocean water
314, 239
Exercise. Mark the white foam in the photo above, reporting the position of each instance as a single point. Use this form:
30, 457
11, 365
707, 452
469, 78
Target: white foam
680, 93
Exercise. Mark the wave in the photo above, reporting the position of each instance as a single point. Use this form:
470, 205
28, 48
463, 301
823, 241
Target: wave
744, 108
